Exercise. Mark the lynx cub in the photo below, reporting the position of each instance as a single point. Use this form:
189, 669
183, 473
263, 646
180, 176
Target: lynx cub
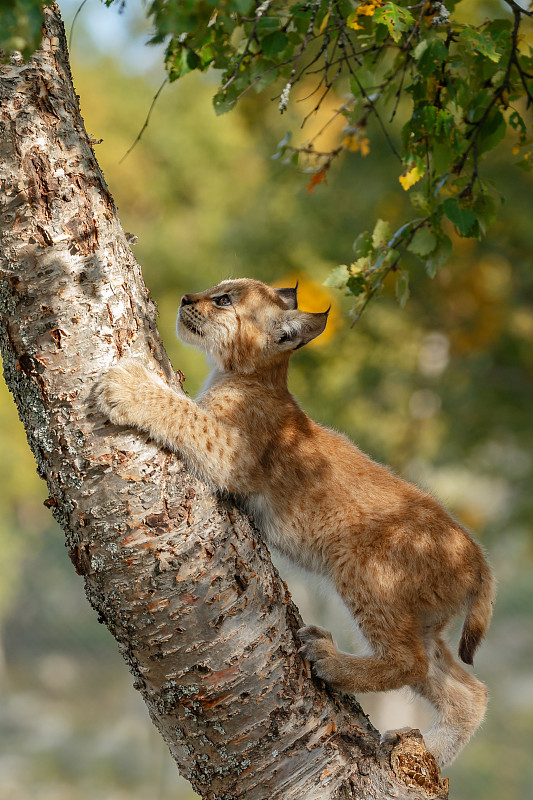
401, 564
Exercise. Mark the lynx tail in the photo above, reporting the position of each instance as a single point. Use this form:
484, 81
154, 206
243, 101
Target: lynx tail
477, 617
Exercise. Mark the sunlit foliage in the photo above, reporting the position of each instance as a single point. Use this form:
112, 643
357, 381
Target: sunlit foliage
456, 86
444, 89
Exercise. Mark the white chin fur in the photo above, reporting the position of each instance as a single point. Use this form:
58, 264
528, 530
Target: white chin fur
186, 334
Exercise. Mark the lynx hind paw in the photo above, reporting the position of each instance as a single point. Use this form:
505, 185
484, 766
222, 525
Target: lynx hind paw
317, 643
326, 661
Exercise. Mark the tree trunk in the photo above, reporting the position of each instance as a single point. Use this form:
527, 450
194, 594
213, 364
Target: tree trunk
180, 578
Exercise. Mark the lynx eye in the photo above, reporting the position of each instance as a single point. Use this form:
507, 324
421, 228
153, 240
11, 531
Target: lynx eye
222, 300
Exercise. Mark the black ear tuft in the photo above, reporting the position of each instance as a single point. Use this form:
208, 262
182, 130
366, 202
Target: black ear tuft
289, 296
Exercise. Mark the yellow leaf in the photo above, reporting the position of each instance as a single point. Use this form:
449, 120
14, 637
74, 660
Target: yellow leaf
367, 9
324, 23
352, 23
351, 143
364, 145
525, 43
355, 142
411, 177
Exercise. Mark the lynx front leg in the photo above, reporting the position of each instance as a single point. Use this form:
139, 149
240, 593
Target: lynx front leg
131, 394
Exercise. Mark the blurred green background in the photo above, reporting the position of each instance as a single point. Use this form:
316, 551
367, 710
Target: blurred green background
442, 391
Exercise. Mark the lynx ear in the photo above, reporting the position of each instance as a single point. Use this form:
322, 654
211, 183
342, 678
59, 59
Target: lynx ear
301, 327
289, 296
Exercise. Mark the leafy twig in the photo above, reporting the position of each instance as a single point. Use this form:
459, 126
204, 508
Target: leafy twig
392, 266
478, 126
371, 104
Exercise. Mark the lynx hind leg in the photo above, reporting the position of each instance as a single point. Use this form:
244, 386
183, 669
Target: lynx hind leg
459, 700
395, 666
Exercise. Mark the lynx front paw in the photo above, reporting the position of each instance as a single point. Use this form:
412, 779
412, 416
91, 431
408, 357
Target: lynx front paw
119, 393
320, 649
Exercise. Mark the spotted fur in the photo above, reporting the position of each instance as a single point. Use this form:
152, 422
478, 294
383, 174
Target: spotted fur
403, 566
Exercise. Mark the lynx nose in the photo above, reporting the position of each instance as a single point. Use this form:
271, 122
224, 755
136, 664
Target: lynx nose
186, 300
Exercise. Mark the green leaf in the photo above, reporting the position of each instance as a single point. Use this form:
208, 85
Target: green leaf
242, 6
381, 233
420, 202
430, 57
193, 60
363, 245
441, 255
395, 18
207, 55
225, 101
177, 63
492, 132
500, 31
357, 283
338, 277
274, 43
485, 209
267, 23
443, 156
423, 243
402, 288
445, 122
476, 103
424, 119
262, 74
481, 43
463, 218
420, 49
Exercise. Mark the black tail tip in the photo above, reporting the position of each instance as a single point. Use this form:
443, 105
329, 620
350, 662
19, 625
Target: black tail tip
466, 656
468, 645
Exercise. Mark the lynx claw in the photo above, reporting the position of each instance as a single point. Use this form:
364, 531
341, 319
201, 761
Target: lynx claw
317, 643
320, 650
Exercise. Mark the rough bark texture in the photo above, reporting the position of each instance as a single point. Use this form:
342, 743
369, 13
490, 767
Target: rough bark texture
180, 578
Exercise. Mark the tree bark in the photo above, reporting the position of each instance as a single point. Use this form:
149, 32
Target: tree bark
180, 578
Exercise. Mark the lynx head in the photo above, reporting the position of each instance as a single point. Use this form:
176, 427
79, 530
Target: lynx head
245, 325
